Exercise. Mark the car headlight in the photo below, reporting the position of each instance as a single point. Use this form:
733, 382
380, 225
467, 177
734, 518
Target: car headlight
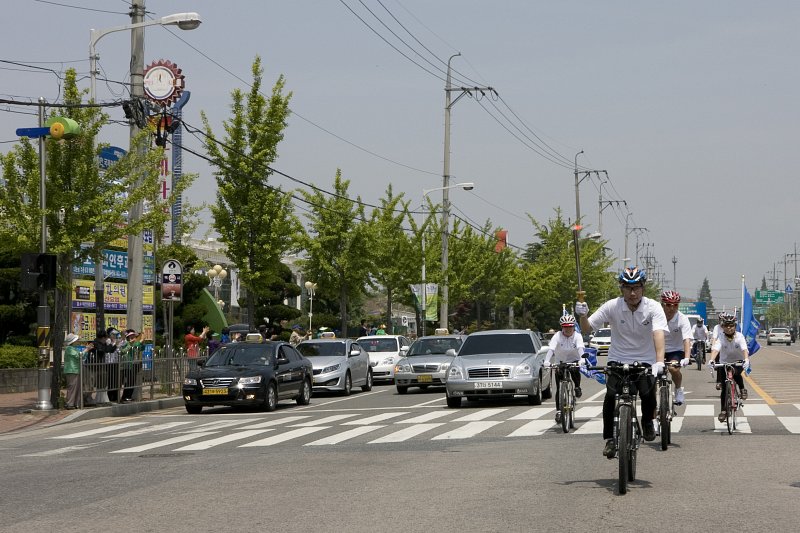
249, 380
331, 368
455, 373
388, 361
443, 367
523, 370
190, 381
403, 368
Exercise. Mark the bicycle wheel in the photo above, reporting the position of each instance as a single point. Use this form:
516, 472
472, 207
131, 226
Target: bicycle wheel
663, 415
635, 438
563, 402
698, 356
572, 402
624, 446
734, 403
729, 408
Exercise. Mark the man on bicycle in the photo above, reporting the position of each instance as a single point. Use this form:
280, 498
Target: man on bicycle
637, 325
567, 345
700, 332
677, 340
730, 347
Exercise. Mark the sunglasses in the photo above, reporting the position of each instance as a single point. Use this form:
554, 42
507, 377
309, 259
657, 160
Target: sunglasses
631, 288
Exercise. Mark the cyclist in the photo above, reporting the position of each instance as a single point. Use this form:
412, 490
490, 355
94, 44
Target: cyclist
730, 347
700, 331
677, 340
637, 334
716, 331
567, 345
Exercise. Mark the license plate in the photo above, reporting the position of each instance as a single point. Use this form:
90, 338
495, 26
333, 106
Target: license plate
215, 391
489, 385
425, 378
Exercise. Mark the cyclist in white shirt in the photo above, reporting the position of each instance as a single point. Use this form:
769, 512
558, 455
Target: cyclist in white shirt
730, 347
716, 331
677, 340
700, 331
567, 345
637, 325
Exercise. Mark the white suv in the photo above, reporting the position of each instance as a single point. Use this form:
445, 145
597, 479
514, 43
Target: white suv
781, 335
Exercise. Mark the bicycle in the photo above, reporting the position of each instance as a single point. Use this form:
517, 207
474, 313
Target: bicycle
666, 407
699, 353
566, 395
733, 396
627, 430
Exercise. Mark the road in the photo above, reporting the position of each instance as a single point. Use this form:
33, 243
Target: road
379, 461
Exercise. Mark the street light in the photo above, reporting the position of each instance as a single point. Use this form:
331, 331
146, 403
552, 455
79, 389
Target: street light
467, 186
216, 276
310, 287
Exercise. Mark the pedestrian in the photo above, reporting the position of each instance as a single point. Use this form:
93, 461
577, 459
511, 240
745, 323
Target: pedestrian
381, 330
226, 335
213, 342
192, 341
362, 330
97, 371
130, 364
72, 371
297, 335
112, 363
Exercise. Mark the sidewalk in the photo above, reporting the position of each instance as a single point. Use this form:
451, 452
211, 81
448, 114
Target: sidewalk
18, 411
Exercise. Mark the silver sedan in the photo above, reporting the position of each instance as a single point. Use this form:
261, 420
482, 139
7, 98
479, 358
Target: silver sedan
339, 364
498, 363
426, 362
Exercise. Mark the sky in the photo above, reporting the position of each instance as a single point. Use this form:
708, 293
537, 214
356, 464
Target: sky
690, 108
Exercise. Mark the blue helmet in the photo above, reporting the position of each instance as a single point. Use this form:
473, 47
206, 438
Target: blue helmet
632, 275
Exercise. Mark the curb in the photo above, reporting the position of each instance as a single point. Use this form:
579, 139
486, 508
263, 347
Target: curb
126, 409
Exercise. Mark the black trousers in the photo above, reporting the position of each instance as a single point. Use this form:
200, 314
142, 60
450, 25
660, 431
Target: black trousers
645, 386
576, 378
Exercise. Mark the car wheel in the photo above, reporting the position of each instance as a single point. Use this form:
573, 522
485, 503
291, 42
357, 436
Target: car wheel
271, 398
305, 393
402, 389
769, 343
368, 385
535, 399
453, 401
194, 409
348, 385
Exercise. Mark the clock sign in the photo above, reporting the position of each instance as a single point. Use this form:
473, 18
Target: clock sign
163, 82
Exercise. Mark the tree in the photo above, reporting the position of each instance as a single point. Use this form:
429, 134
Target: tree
764, 283
255, 220
337, 244
705, 296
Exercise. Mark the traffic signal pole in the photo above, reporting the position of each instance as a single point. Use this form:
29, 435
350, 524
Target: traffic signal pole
43, 311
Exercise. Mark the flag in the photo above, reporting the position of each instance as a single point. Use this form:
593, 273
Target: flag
750, 325
589, 353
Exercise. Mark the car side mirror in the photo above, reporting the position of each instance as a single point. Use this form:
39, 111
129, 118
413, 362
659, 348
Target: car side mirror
282, 361
404, 350
451, 352
354, 353
201, 362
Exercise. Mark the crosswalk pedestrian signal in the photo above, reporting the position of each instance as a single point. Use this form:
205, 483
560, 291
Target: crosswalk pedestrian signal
38, 270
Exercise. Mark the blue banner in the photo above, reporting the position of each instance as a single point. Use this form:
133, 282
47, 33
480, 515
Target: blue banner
750, 325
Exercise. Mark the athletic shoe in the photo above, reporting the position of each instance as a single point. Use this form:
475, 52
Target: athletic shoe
610, 449
722, 416
578, 392
558, 417
744, 394
679, 397
649, 431
719, 386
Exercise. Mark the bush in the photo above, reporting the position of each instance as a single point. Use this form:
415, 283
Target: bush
18, 356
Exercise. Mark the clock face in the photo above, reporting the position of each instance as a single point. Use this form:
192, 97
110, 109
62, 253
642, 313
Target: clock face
159, 82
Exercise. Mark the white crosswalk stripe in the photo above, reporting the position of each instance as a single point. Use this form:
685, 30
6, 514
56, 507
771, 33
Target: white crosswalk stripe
98, 431
791, 423
406, 433
276, 422
283, 437
533, 414
742, 426
468, 430
145, 430
345, 435
426, 417
479, 415
699, 410
165, 442
372, 419
757, 409
533, 428
326, 420
206, 444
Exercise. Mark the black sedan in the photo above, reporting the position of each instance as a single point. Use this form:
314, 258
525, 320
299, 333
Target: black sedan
249, 374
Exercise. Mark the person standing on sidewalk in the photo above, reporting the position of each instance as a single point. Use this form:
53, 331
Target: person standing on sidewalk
72, 371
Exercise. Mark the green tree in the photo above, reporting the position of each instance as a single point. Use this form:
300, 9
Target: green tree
705, 296
254, 219
763, 283
337, 244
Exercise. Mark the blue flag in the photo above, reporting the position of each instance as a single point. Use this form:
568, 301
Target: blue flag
589, 353
749, 323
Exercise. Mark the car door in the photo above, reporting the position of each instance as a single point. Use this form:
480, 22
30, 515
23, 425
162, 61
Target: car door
359, 364
289, 372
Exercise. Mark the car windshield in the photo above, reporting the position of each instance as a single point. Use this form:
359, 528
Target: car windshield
503, 343
433, 346
241, 355
379, 345
321, 349
603, 333
780, 330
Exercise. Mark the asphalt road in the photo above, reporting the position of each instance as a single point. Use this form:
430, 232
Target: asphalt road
380, 461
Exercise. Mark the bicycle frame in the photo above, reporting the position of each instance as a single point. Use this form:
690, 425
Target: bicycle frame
733, 398
665, 409
565, 397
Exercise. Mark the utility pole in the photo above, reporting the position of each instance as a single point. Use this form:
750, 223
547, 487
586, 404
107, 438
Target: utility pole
674, 273
135, 244
43, 311
448, 105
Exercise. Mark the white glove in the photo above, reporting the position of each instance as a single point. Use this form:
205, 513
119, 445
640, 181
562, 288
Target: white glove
746, 364
581, 308
583, 363
547, 364
711, 365
657, 368
685, 361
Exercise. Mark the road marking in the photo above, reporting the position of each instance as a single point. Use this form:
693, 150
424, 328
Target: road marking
742, 426
478, 415
343, 436
761, 392
60, 451
533, 428
702, 409
377, 418
533, 413
283, 437
326, 420
166, 442
275, 422
592, 427
438, 400
427, 417
142, 431
206, 444
406, 433
590, 411
757, 410
345, 399
468, 430
98, 431
220, 424
595, 396
677, 424
791, 423
787, 353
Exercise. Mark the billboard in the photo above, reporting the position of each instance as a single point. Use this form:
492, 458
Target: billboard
115, 296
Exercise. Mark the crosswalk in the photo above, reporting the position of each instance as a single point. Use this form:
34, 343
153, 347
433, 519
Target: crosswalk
378, 427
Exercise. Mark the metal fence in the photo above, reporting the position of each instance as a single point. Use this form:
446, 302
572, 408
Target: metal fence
147, 374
